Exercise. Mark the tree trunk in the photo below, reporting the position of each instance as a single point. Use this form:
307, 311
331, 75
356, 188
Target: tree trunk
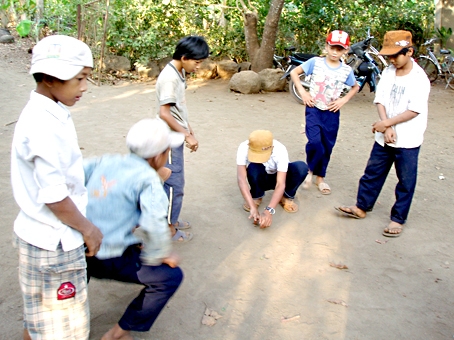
261, 55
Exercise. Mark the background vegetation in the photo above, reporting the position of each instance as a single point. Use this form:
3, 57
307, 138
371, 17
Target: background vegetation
149, 29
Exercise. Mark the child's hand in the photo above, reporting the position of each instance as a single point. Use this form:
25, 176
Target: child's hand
191, 142
172, 260
265, 219
92, 239
307, 98
379, 126
390, 135
254, 214
337, 104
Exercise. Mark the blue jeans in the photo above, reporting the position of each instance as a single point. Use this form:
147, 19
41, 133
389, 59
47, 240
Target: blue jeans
160, 283
380, 161
260, 181
174, 186
321, 131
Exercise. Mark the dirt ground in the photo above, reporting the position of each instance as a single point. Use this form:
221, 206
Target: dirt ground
275, 283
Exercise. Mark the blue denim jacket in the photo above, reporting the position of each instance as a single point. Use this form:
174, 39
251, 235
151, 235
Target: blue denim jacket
124, 191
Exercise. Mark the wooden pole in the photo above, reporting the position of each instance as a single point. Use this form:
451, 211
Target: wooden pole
103, 43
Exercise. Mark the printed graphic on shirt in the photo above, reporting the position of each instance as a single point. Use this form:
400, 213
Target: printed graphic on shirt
105, 186
65, 291
396, 95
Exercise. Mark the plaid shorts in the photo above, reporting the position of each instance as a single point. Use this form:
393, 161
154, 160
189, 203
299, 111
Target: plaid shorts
54, 289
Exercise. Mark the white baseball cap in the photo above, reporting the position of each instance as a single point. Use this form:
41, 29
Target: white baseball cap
150, 137
61, 57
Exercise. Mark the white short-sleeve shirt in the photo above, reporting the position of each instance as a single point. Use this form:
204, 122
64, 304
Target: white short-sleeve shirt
278, 161
399, 94
46, 167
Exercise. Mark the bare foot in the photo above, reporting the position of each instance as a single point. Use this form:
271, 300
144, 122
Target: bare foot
393, 229
116, 333
308, 180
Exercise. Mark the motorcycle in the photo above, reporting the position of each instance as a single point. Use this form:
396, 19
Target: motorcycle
362, 57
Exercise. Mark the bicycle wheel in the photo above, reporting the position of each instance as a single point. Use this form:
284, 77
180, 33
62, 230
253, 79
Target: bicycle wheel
429, 67
449, 75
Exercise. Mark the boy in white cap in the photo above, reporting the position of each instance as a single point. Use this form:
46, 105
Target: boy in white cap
323, 102
402, 104
263, 164
47, 178
126, 197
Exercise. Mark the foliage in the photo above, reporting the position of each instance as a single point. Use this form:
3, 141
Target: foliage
149, 29
443, 34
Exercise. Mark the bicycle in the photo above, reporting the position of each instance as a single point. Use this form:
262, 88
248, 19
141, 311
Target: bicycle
430, 64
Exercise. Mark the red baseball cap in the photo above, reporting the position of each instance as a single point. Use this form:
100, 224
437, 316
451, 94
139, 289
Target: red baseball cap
339, 38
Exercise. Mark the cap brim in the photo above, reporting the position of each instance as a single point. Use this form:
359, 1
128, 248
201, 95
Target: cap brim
176, 139
56, 68
391, 50
262, 157
346, 47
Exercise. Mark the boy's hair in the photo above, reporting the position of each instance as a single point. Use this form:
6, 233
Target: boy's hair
191, 47
39, 78
61, 57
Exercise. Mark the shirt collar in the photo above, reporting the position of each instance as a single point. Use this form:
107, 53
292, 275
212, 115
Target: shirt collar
58, 110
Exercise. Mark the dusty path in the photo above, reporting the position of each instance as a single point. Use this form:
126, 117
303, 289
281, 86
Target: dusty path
401, 289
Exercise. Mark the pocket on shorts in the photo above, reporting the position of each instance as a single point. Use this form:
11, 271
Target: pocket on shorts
64, 285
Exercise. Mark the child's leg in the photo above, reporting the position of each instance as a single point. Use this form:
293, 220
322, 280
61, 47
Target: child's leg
174, 185
314, 147
406, 169
296, 173
330, 128
258, 180
377, 169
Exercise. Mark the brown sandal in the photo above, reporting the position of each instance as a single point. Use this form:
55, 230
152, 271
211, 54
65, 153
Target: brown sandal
288, 205
257, 203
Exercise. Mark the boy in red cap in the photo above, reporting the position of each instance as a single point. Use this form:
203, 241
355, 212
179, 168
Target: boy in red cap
402, 103
329, 75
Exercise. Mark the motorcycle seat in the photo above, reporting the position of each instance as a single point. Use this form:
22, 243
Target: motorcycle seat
443, 51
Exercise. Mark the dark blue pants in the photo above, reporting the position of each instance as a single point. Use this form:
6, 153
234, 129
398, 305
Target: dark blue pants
321, 131
160, 283
174, 186
380, 161
260, 181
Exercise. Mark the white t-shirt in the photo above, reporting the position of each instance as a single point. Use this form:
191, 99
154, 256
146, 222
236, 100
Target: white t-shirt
399, 94
171, 89
46, 167
277, 162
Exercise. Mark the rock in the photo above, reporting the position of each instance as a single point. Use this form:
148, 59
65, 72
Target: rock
245, 82
163, 62
6, 39
244, 66
227, 68
207, 70
116, 63
271, 80
4, 31
150, 70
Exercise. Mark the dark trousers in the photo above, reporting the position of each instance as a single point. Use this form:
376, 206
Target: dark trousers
260, 181
160, 283
380, 161
321, 131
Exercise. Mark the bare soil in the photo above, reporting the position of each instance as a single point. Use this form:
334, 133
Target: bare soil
275, 283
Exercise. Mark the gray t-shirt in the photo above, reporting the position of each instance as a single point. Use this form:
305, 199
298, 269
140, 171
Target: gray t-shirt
170, 89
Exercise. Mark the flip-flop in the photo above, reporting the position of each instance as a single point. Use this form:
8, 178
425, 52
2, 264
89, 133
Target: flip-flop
182, 225
387, 234
288, 205
324, 188
257, 203
182, 237
349, 213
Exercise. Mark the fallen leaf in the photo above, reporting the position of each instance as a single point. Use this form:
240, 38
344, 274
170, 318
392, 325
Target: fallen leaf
210, 316
338, 266
337, 302
381, 242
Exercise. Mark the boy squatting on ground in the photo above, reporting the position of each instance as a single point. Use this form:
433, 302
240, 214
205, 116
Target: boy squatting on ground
263, 164
47, 178
402, 104
170, 90
125, 192
323, 102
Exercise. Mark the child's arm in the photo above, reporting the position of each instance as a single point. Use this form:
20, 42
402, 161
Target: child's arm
305, 95
265, 217
339, 102
386, 122
243, 184
67, 212
166, 115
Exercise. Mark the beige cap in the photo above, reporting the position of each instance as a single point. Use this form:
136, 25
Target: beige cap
260, 146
